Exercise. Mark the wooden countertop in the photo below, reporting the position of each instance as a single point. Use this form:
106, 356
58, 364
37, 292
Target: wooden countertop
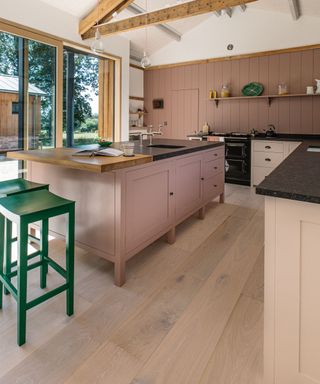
63, 157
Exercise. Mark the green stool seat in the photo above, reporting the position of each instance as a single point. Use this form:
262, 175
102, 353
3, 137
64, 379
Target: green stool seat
15, 186
24, 209
9, 188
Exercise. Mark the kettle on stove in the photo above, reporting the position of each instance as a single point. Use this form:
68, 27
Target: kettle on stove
271, 131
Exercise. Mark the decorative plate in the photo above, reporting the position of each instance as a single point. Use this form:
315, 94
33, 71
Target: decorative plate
252, 89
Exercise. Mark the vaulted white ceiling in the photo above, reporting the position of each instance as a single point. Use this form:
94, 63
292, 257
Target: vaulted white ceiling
156, 39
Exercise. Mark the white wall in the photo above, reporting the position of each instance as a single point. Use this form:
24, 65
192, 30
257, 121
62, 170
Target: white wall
136, 82
252, 31
38, 15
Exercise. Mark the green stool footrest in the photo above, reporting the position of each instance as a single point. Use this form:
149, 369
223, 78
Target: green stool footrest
7, 283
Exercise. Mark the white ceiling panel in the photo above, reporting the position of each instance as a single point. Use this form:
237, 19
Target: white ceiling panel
157, 38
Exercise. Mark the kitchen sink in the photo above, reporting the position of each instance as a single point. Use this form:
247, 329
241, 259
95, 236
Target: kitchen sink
168, 146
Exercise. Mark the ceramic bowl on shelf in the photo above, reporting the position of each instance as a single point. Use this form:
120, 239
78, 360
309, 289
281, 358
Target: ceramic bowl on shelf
252, 89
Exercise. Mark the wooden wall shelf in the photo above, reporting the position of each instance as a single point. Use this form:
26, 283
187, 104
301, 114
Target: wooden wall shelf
136, 98
269, 98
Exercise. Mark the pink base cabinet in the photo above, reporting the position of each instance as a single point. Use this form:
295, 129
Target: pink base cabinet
120, 213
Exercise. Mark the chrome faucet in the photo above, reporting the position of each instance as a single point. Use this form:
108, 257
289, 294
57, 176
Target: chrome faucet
151, 133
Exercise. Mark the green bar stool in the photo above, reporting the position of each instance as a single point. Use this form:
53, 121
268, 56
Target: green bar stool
24, 209
9, 188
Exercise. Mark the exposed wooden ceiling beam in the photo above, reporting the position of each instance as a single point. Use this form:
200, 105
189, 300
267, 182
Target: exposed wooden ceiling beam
295, 9
191, 8
102, 13
136, 9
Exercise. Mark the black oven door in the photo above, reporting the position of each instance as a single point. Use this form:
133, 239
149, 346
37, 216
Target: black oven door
237, 171
235, 149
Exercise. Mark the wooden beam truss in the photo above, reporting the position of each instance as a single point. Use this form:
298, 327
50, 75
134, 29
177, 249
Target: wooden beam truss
184, 10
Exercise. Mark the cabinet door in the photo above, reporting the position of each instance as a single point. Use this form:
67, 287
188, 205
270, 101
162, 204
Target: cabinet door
188, 185
185, 107
148, 203
292, 316
259, 174
293, 146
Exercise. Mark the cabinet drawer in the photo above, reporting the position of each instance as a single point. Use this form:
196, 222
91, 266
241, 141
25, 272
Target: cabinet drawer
213, 187
268, 146
213, 167
270, 160
214, 154
259, 174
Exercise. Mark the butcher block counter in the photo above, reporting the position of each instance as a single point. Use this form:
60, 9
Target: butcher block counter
123, 204
65, 157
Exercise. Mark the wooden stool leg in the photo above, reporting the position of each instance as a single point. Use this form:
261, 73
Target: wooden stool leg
22, 283
1, 255
44, 230
8, 245
70, 262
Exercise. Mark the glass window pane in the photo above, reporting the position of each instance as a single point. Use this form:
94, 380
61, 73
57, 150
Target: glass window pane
11, 123
41, 94
81, 99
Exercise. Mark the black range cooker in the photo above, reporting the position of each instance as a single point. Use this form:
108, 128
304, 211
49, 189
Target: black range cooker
237, 157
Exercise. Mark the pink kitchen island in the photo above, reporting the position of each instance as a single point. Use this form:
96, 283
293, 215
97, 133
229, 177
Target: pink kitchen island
125, 204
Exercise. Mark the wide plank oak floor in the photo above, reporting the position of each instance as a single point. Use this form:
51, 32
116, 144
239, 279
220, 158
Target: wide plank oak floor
190, 313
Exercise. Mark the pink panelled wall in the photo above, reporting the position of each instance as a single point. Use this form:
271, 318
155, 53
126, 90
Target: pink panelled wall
185, 90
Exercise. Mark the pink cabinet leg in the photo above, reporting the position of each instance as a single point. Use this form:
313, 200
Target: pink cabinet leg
171, 236
202, 213
221, 200
119, 272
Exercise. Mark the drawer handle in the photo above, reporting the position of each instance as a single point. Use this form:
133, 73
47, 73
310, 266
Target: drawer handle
216, 154
171, 193
202, 178
215, 167
267, 159
267, 147
215, 185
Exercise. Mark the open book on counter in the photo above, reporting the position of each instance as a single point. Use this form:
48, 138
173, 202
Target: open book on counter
113, 152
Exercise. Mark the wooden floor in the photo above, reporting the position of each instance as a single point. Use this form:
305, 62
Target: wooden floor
190, 313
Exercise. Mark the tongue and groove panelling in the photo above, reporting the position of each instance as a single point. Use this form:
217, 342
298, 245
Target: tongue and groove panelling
185, 90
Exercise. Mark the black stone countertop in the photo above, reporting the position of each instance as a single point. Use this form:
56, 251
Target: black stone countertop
189, 146
262, 136
297, 177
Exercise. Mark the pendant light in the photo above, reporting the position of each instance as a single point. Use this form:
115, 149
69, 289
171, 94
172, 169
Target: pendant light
97, 45
145, 61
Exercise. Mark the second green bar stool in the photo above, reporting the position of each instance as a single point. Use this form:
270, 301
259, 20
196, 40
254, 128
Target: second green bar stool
10, 188
24, 209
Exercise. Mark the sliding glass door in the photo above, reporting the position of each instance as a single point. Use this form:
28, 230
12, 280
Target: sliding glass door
88, 98
28, 97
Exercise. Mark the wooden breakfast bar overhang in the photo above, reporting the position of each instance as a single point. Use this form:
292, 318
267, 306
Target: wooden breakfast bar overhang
123, 204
